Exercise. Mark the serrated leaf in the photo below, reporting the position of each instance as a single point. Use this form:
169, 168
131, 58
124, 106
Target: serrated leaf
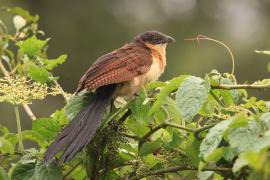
38, 74
49, 171
36, 171
213, 138
32, 47
76, 103
242, 138
149, 147
23, 171
46, 127
52, 63
190, 96
6, 146
165, 91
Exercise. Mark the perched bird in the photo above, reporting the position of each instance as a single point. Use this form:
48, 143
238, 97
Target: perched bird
121, 72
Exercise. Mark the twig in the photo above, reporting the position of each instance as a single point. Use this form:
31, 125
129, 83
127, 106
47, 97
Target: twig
202, 37
178, 126
240, 86
147, 135
25, 106
176, 169
19, 127
196, 131
125, 116
130, 136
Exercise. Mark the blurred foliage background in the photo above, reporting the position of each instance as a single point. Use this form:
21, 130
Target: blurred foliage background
86, 30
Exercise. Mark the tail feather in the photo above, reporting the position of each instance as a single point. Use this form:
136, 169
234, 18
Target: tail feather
81, 129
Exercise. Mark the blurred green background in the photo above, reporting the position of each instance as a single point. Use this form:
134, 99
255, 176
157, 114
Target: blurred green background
86, 30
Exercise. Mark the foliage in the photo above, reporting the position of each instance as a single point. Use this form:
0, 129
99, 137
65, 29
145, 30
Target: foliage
188, 127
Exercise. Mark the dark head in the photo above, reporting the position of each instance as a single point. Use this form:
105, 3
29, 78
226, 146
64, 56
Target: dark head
154, 37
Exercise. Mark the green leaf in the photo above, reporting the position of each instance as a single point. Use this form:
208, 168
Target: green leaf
139, 109
265, 120
268, 67
150, 160
165, 91
215, 155
52, 63
213, 138
76, 103
239, 163
38, 74
60, 117
191, 95
32, 47
149, 147
136, 128
242, 138
3, 130
23, 13
36, 171
49, 171
230, 97
23, 171
48, 128
192, 150
6, 146
3, 174
33, 136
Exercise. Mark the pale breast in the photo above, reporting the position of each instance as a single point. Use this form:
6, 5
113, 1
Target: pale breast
131, 87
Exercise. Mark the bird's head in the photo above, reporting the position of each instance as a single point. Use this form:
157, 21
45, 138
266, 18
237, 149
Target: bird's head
154, 38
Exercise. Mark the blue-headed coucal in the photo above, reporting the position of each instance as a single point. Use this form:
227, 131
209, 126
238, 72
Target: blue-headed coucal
121, 72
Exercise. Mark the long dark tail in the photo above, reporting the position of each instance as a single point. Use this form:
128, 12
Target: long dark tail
78, 133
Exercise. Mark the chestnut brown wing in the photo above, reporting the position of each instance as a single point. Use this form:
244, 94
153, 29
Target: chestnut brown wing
118, 66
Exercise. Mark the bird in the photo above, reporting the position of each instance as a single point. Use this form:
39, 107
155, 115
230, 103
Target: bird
122, 72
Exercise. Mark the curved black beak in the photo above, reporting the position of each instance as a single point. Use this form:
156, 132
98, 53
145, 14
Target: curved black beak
170, 39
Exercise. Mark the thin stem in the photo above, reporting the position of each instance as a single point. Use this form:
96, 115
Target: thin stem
130, 136
147, 135
202, 37
178, 126
176, 169
19, 127
241, 86
25, 106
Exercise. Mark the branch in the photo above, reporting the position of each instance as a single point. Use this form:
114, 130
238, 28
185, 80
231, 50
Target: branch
240, 86
176, 169
196, 131
25, 106
147, 135
130, 136
178, 126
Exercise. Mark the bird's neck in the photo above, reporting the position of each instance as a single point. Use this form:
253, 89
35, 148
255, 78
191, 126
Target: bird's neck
158, 52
